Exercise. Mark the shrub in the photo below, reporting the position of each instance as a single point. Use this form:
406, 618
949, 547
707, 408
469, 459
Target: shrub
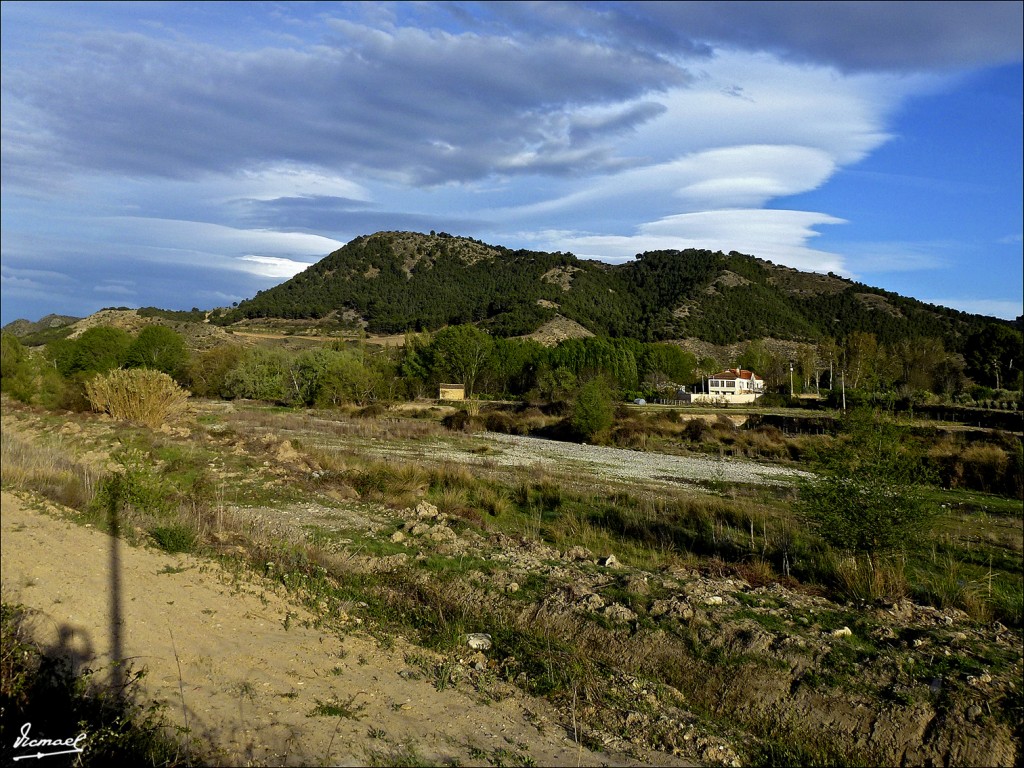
460, 421
97, 349
866, 497
372, 411
593, 411
141, 394
695, 430
495, 421
174, 538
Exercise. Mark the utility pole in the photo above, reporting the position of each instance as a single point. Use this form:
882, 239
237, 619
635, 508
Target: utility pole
791, 378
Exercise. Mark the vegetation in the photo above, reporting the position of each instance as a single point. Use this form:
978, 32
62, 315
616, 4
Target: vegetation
144, 395
401, 281
728, 531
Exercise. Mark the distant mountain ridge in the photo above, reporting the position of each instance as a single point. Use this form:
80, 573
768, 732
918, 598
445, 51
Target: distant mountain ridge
391, 282
21, 328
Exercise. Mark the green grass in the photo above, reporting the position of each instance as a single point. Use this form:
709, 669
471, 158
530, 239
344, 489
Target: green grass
175, 538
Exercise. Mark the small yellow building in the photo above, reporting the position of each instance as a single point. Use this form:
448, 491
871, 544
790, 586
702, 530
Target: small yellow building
451, 392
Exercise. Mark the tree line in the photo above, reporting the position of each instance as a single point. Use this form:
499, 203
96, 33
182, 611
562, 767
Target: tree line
346, 372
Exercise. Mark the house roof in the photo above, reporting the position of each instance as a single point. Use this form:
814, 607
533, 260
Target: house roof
737, 373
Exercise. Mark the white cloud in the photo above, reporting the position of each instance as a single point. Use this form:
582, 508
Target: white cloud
271, 266
200, 237
886, 257
288, 180
1007, 309
778, 236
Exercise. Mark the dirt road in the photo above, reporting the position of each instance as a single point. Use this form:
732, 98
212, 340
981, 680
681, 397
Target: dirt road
236, 660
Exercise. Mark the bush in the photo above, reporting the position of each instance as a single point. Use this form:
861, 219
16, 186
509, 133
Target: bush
866, 497
140, 394
461, 421
496, 421
593, 411
206, 375
696, 430
175, 538
372, 411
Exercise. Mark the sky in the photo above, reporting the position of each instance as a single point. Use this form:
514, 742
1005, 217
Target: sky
185, 155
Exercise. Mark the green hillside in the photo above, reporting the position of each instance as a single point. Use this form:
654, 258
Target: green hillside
392, 282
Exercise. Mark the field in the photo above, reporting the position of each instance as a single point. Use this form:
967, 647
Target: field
301, 587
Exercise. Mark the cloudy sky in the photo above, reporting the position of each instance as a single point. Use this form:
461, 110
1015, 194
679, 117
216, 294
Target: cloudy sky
180, 155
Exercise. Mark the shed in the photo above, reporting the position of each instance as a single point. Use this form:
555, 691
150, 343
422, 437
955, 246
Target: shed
451, 392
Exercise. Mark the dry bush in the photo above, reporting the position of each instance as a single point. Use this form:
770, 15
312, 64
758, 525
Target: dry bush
496, 421
137, 394
462, 421
630, 434
696, 430
980, 467
985, 467
758, 572
493, 501
762, 443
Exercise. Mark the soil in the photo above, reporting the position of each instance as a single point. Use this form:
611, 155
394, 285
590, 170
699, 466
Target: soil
240, 666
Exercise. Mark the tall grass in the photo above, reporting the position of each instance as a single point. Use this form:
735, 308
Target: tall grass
50, 471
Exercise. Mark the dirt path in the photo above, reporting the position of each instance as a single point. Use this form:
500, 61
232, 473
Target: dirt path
250, 677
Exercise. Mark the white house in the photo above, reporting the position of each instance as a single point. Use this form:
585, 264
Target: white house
735, 385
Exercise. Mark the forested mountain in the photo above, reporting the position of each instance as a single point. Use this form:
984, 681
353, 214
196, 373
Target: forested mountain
392, 282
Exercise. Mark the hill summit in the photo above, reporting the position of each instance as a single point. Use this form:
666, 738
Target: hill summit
392, 282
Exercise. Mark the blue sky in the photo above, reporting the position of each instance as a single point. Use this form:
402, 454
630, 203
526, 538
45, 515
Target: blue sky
190, 154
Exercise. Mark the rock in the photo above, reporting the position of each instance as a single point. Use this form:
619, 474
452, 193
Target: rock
575, 554
512, 588
397, 537
390, 563
609, 562
637, 585
479, 641
592, 602
419, 529
426, 511
676, 608
714, 600
841, 632
343, 492
973, 712
286, 453
478, 661
619, 613
441, 533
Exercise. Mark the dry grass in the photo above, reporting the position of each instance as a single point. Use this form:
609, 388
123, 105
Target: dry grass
865, 580
138, 394
49, 471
